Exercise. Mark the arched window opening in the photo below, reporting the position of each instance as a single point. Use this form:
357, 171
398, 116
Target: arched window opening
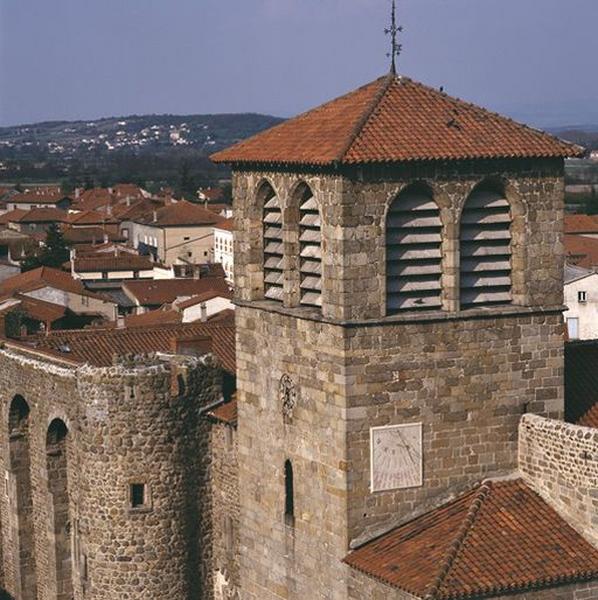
310, 243
289, 493
413, 252
21, 498
485, 238
57, 467
273, 245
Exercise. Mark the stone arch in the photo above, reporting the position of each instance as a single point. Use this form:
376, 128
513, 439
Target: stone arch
486, 249
60, 519
414, 250
21, 496
272, 245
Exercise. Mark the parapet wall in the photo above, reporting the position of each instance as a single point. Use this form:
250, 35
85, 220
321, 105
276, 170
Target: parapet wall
560, 461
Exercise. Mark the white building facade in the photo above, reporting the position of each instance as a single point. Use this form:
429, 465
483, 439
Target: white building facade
581, 299
223, 248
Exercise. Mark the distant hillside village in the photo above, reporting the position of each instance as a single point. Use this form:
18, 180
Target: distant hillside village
129, 260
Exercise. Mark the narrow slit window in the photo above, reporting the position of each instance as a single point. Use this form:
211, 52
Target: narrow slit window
289, 493
485, 240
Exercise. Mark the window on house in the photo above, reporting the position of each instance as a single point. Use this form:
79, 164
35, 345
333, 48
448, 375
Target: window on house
413, 252
186, 238
582, 296
485, 249
289, 494
189, 254
573, 328
138, 495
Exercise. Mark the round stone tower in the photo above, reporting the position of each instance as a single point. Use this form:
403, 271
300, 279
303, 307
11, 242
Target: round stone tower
139, 519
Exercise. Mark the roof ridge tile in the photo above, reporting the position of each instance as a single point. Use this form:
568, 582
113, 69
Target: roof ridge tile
447, 563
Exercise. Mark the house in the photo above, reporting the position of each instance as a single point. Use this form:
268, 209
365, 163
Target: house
79, 237
150, 295
105, 266
174, 231
585, 225
223, 247
57, 287
581, 299
39, 199
203, 306
34, 220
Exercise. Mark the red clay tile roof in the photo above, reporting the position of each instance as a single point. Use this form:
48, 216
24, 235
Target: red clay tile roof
89, 235
394, 119
226, 225
90, 217
12, 216
581, 223
154, 317
42, 197
226, 413
182, 213
164, 291
37, 215
203, 297
98, 346
581, 251
500, 537
108, 262
42, 277
581, 383
211, 193
39, 309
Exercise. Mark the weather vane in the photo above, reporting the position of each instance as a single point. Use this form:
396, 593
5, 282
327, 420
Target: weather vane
393, 31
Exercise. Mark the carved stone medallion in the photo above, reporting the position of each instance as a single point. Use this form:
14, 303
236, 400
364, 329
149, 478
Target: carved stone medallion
287, 394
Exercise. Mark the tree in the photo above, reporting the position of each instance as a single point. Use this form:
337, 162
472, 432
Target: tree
54, 253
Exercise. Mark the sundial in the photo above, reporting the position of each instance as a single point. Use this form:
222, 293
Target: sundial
396, 457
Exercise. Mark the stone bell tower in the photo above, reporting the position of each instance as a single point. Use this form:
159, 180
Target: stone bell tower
398, 261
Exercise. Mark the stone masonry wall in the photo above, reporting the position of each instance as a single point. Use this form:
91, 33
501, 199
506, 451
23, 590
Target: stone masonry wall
468, 381
353, 206
560, 461
136, 422
362, 586
224, 478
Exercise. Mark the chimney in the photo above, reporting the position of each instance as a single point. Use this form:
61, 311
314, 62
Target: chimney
73, 255
128, 201
106, 240
109, 210
155, 215
120, 322
204, 312
77, 193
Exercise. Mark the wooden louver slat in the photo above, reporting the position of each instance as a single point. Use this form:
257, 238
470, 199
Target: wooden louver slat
413, 253
485, 239
273, 250
310, 239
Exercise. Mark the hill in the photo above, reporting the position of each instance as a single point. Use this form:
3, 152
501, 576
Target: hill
136, 147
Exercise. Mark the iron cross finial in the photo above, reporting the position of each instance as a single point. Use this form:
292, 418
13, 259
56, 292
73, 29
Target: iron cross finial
393, 31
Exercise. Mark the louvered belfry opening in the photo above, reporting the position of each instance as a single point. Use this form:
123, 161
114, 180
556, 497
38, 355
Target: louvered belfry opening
485, 272
413, 252
310, 244
273, 246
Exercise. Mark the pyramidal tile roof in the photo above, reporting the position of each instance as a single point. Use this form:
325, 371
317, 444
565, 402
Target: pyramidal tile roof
500, 537
395, 119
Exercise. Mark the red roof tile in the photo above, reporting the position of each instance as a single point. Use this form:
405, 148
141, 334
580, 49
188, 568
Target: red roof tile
225, 413
41, 197
165, 291
154, 317
581, 223
98, 346
581, 251
44, 277
90, 217
40, 310
226, 225
12, 216
180, 214
500, 537
203, 297
108, 262
90, 235
36, 215
394, 119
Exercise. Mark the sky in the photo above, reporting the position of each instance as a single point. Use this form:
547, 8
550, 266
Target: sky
534, 60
